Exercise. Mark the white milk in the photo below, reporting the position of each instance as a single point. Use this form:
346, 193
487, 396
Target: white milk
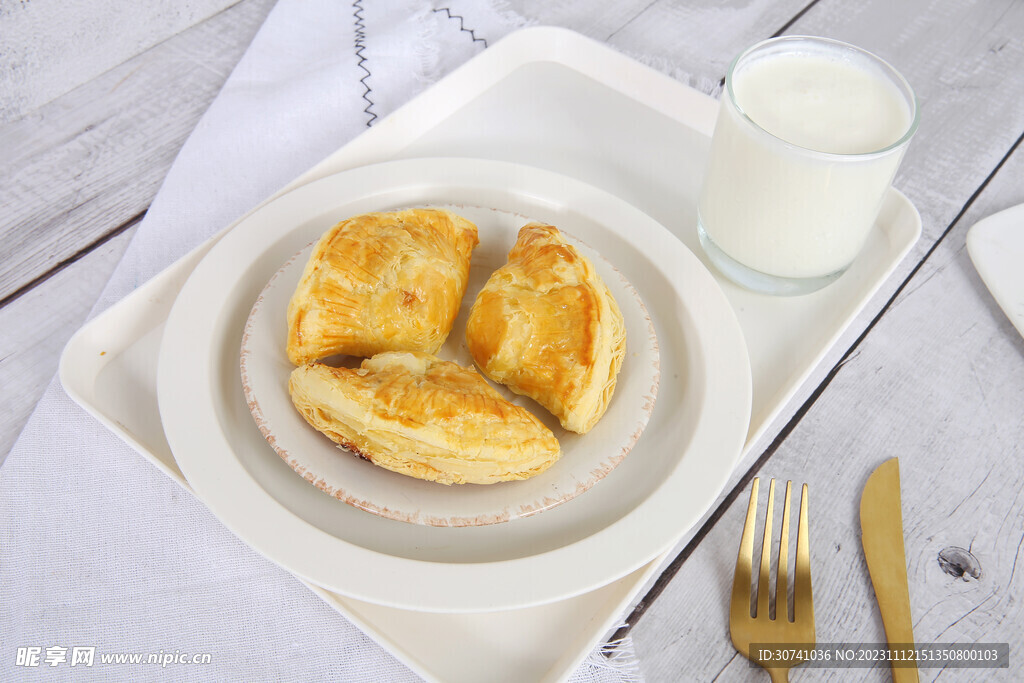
799, 202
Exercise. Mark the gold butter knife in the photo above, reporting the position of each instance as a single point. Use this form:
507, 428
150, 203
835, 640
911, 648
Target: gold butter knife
881, 524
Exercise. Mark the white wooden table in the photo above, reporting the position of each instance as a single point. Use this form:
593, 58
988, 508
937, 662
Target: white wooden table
931, 372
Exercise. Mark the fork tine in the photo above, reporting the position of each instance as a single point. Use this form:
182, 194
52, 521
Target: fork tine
746, 628
740, 604
766, 558
782, 575
803, 602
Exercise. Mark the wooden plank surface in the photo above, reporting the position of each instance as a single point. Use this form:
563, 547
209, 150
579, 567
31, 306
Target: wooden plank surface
49, 48
700, 39
91, 160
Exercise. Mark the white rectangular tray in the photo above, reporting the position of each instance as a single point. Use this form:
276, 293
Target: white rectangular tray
553, 99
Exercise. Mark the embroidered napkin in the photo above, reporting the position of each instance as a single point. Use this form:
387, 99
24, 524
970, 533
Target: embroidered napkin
100, 553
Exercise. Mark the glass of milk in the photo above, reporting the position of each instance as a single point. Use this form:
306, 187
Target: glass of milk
808, 138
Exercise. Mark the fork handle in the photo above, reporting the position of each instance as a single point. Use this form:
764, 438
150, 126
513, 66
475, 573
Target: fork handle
779, 675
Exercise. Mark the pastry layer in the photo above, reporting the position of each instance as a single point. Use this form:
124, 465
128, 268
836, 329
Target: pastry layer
424, 417
381, 282
546, 326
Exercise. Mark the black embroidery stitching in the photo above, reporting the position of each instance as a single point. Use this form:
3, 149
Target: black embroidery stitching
462, 26
360, 45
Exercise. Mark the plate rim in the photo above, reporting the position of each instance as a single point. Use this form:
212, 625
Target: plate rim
475, 586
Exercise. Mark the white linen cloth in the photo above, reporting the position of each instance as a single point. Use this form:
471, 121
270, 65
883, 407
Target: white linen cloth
97, 547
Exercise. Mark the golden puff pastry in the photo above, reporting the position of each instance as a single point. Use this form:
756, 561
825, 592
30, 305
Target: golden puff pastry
546, 326
381, 282
421, 416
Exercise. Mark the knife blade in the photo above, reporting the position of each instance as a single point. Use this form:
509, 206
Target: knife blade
881, 524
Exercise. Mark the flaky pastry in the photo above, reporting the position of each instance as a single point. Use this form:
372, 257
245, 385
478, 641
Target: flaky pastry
546, 326
381, 282
428, 418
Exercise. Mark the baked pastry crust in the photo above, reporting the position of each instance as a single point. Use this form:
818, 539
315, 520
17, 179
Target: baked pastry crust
424, 417
546, 326
381, 282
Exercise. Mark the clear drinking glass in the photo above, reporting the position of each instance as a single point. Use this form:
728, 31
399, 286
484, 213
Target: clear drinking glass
809, 136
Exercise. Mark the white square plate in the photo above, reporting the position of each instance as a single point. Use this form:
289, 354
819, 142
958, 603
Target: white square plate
996, 247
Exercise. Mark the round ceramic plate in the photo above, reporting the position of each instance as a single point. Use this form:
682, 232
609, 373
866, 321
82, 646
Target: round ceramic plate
639, 510
585, 458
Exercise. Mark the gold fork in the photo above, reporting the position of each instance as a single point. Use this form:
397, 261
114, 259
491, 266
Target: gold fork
791, 640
